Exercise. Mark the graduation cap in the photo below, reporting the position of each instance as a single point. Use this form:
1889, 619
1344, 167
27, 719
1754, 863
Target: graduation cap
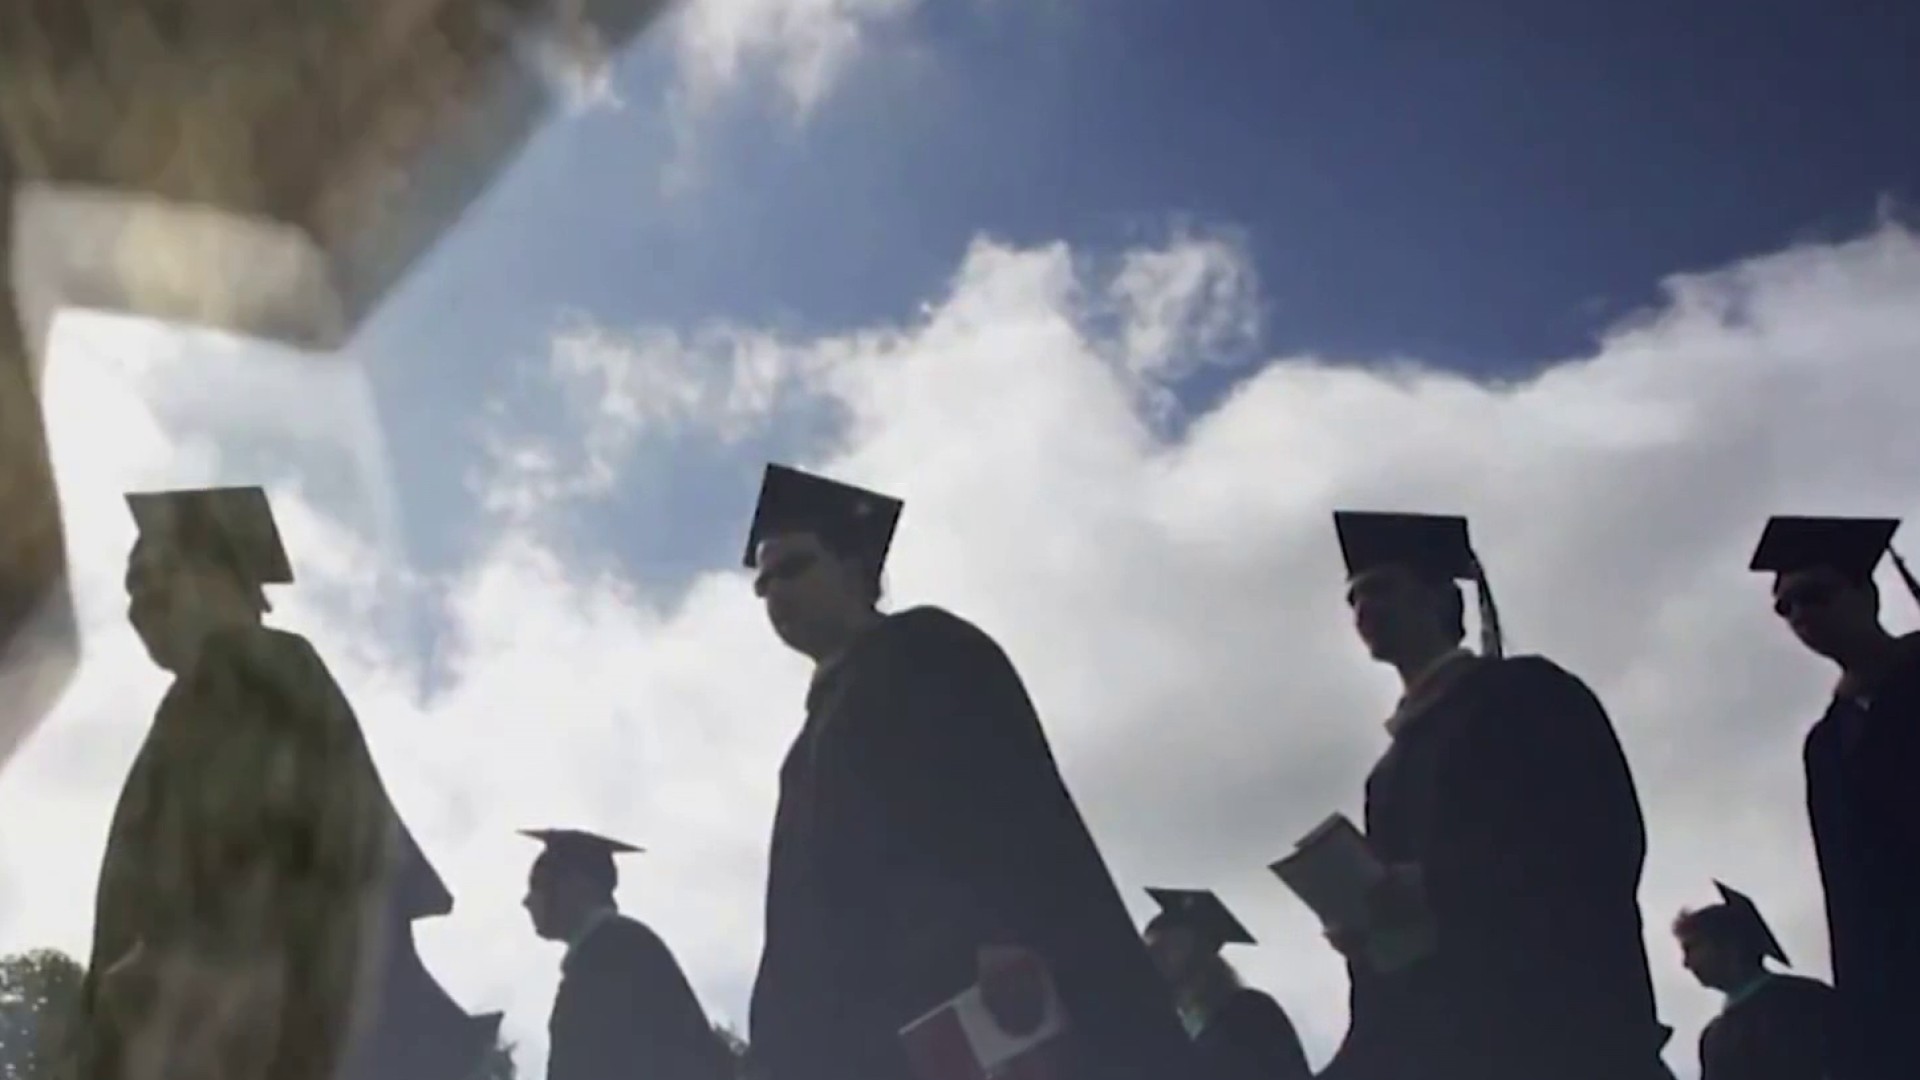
1434, 547
849, 520
233, 526
1200, 911
1853, 547
581, 852
1749, 924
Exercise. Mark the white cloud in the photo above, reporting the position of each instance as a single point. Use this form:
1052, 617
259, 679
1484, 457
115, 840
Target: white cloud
579, 66
620, 391
566, 47
1184, 303
1173, 600
795, 53
804, 45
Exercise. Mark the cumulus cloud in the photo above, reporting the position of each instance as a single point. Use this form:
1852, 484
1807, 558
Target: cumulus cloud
624, 391
1172, 594
802, 45
1184, 303
572, 56
791, 53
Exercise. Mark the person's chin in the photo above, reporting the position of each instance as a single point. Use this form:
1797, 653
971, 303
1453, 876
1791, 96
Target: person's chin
793, 635
161, 659
1817, 643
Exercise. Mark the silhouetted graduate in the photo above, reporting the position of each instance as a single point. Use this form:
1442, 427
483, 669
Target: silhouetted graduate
924, 841
1240, 1033
624, 1008
1773, 1026
1862, 760
1506, 810
255, 871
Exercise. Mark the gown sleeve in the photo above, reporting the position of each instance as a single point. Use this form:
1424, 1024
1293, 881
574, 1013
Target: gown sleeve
1255, 1040
1896, 753
1533, 872
950, 738
633, 1014
679, 1040
291, 833
1793, 1029
1781, 1033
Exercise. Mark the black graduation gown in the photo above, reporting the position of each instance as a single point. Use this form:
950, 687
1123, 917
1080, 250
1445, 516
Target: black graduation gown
921, 816
1250, 1038
1510, 791
1778, 1032
1864, 804
625, 1010
246, 858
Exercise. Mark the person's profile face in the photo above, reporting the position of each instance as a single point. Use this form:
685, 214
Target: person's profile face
1708, 960
800, 582
1172, 949
1820, 606
539, 900
160, 596
1391, 608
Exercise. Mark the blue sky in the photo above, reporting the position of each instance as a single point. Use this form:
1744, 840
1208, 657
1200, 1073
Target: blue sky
1482, 190
1057, 272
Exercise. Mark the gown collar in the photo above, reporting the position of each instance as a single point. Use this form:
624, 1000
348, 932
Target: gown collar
1747, 990
1426, 688
595, 919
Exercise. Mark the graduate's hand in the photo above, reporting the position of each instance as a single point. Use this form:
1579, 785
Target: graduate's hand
1013, 986
1397, 900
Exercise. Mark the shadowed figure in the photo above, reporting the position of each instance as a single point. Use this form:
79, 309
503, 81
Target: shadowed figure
1509, 821
924, 841
1240, 1033
1861, 758
1773, 1026
624, 1008
256, 884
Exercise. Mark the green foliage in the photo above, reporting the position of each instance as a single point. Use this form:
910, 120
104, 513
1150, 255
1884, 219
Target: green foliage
39, 1000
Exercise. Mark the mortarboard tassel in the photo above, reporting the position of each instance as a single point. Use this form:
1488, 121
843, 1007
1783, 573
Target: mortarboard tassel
1906, 575
1491, 644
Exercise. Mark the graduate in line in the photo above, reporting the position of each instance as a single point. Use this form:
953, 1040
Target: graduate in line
1506, 813
1240, 1033
624, 1008
1862, 759
924, 841
253, 896
1773, 1026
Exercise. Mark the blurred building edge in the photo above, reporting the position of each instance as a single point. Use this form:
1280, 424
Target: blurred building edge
269, 175
418, 1032
39, 642
266, 169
